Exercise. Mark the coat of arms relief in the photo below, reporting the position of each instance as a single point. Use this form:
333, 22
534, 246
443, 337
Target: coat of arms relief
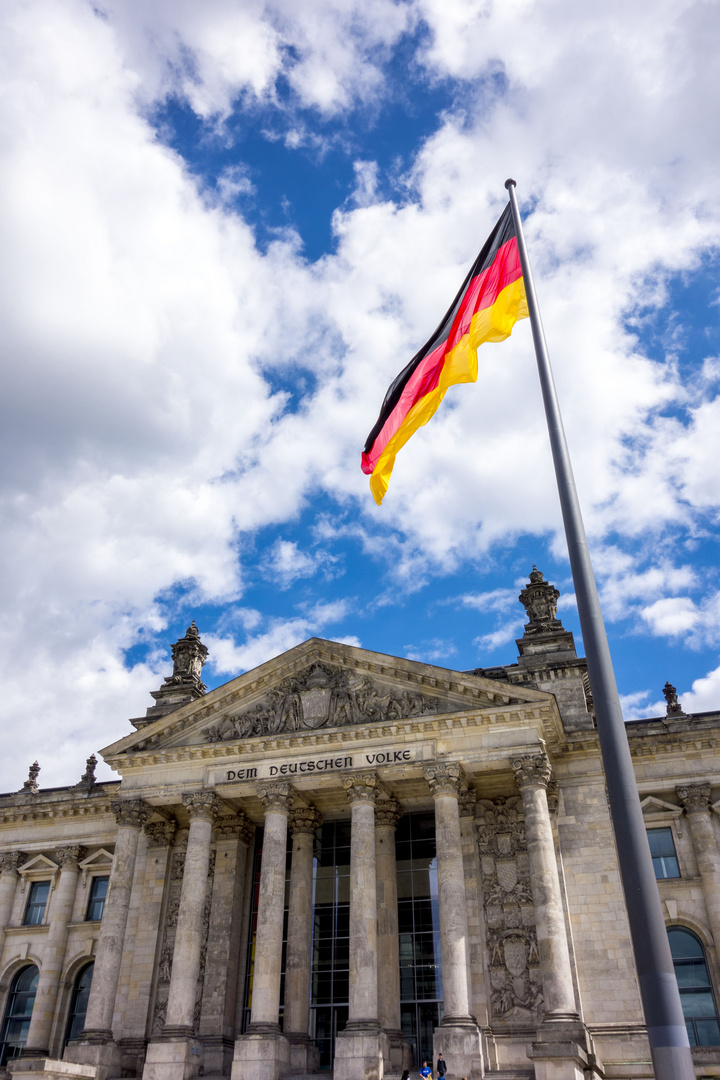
323, 696
516, 991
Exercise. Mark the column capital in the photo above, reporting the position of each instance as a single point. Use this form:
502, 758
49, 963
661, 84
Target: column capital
531, 770
161, 833
387, 813
444, 778
305, 819
234, 827
132, 812
70, 856
694, 797
362, 787
201, 805
467, 802
275, 795
10, 860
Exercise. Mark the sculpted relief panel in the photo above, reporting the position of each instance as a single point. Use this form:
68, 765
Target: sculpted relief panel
323, 696
516, 991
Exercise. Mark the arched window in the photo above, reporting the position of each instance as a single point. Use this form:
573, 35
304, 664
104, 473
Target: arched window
17, 1013
79, 1002
698, 1001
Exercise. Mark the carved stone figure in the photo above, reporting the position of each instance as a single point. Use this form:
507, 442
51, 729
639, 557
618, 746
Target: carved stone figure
516, 994
540, 602
674, 708
321, 696
31, 785
189, 655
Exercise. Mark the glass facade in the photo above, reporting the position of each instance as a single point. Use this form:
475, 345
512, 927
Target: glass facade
331, 937
698, 1001
37, 901
662, 849
96, 903
79, 1003
421, 991
17, 1013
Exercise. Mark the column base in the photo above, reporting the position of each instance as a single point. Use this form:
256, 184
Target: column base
304, 1056
362, 1052
172, 1057
564, 1050
97, 1049
262, 1053
217, 1054
133, 1056
401, 1054
48, 1068
458, 1040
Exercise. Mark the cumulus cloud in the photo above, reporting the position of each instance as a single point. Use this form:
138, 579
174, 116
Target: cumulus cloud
144, 436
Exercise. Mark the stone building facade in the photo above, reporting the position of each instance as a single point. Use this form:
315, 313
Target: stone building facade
345, 861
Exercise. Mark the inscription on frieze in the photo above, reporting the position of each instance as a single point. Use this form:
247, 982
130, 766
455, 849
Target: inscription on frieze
280, 769
323, 696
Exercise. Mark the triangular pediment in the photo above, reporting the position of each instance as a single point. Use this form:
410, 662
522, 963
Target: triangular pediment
101, 859
652, 805
320, 686
39, 864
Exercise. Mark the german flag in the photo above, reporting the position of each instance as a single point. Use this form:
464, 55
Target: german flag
490, 301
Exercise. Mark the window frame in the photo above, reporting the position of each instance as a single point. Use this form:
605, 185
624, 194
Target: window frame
664, 828
8, 1017
32, 885
690, 1021
93, 899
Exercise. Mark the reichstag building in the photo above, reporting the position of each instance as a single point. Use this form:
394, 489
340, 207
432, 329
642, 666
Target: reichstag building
345, 863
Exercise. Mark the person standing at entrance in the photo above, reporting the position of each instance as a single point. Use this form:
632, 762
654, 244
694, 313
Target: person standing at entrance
440, 1070
426, 1071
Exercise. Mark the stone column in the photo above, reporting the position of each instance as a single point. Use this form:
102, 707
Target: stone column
304, 822
53, 957
387, 814
475, 912
695, 799
95, 1045
458, 1037
362, 1048
9, 862
532, 774
233, 835
176, 1054
564, 1049
263, 1052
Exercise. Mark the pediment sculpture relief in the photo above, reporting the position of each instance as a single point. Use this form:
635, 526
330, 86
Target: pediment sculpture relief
322, 696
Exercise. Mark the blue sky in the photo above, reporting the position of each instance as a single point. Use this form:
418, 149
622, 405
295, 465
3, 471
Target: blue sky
226, 227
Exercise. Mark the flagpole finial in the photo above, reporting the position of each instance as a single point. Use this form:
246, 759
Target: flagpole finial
509, 182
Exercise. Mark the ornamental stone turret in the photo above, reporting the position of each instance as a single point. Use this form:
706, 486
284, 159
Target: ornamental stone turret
184, 685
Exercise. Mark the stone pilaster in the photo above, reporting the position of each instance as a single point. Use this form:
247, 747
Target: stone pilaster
233, 835
458, 1037
53, 957
362, 1048
9, 862
695, 799
467, 803
176, 1054
564, 1048
95, 1045
263, 1052
304, 822
387, 815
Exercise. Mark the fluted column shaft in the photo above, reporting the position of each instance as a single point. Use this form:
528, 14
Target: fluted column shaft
363, 996
387, 814
265, 1012
303, 824
130, 815
532, 774
445, 782
696, 800
9, 862
61, 906
202, 807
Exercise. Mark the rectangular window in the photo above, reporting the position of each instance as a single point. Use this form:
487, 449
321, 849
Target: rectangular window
96, 903
662, 849
37, 902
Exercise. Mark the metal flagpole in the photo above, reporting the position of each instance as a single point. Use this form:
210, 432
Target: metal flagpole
669, 1044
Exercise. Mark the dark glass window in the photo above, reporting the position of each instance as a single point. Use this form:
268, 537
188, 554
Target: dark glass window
37, 902
696, 995
331, 937
79, 1003
96, 903
421, 1005
17, 1013
662, 849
